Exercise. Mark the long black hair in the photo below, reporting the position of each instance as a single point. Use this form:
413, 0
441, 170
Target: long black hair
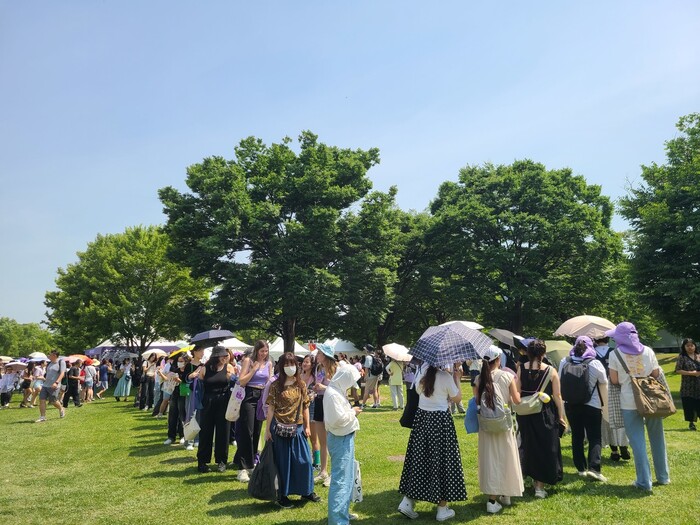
428, 381
685, 342
486, 389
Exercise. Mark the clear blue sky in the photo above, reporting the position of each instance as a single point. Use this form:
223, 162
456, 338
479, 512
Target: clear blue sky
102, 103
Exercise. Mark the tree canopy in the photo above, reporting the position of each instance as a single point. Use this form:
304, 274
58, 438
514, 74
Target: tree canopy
524, 246
664, 213
19, 340
122, 287
265, 228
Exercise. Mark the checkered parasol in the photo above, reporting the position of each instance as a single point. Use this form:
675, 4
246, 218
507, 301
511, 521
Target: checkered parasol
445, 345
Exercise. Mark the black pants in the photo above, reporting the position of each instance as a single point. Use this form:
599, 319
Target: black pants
247, 430
214, 428
146, 395
5, 398
176, 416
691, 408
585, 422
71, 391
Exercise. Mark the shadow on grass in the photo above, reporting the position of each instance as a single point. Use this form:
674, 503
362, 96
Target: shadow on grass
179, 461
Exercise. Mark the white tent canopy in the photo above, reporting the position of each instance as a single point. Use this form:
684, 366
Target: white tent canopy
341, 346
277, 349
235, 344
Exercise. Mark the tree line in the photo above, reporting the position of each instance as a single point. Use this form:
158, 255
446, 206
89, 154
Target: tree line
290, 239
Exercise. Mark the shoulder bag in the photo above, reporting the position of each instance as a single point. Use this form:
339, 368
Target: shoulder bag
532, 404
651, 397
233, 409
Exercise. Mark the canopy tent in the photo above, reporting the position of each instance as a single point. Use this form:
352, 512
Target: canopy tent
341, 346
109, 347
235, 344
277, 349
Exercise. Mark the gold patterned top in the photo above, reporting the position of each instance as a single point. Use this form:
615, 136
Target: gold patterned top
285, 404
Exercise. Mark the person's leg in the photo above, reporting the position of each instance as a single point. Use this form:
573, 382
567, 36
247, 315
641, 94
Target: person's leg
245, 427
592, 422
342, 451
634, 426
400, 395
173, 419
368, 388
576, 422
206, 437
142, 394
657, 442
158, 399
377, 400
42, 407
393, 389
323, 447
222, 433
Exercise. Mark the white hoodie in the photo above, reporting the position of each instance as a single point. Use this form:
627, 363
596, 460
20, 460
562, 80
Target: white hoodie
339, 417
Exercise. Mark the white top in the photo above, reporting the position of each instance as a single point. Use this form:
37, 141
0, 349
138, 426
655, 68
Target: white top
339, 417
596, 374
641, 365
444, 387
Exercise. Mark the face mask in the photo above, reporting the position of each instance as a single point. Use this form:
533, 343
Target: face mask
290, 370
181, 365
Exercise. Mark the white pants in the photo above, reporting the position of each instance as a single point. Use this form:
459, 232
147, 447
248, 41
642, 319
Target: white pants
396, 395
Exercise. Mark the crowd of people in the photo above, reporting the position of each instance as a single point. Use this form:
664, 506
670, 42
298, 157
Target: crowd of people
309, 408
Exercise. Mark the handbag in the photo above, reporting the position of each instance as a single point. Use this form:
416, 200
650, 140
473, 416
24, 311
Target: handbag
532, 404
264, 481
288, 430
471, 421
651, 397
191, 429
233, 409
409, 411
119, 374
357, 484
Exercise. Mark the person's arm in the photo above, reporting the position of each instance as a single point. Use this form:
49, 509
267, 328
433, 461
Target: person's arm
514, 392
455, 393
248, 371
556, 394
229, 371
270, 415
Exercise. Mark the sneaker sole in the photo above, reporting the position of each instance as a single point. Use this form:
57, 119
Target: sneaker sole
408, 514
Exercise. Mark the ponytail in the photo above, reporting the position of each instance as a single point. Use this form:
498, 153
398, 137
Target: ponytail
486, 393
428, 381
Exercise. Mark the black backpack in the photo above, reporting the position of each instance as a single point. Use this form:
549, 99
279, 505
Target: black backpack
377, 367
575, 387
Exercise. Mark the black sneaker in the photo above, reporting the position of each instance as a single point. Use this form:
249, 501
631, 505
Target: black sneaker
312, 497
284, 502
202, 467
625, 453
692, 426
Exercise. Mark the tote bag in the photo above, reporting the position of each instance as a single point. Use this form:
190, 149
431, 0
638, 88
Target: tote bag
357, 484
233, 409
191, 429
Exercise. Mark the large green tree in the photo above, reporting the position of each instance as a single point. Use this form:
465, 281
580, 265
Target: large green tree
123, 287
22, 339
664, 214
523, 246
265, 227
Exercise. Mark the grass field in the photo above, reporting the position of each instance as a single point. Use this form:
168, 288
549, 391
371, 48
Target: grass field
105, 463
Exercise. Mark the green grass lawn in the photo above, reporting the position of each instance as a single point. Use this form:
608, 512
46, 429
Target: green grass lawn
106, 463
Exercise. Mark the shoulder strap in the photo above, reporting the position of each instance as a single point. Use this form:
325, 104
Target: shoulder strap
545, 380
622, 361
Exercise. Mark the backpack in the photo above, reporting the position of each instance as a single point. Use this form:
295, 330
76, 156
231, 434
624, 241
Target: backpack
496, 419
575, 386
377, 367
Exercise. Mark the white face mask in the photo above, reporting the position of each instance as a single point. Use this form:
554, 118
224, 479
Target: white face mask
290, 370
181, 365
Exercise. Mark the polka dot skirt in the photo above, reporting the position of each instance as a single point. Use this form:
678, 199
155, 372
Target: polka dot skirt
433, 467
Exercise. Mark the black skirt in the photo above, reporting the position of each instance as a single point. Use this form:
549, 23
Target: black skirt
433, 467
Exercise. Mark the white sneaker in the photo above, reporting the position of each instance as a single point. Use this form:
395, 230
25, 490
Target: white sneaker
182, 441
62, 414
597, 476
504, 500
321, 477
406, 508
168, 442
353, 516
42, 419
583, 473
243, 476
444, 513
189, 446
540, 493
327, 482
493, 508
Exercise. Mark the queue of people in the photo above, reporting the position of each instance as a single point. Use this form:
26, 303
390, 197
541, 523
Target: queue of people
311, 423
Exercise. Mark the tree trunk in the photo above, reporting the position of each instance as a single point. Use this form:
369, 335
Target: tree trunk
516, 317
288, 334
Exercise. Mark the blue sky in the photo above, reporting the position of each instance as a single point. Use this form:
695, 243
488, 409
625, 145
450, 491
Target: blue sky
102, 103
